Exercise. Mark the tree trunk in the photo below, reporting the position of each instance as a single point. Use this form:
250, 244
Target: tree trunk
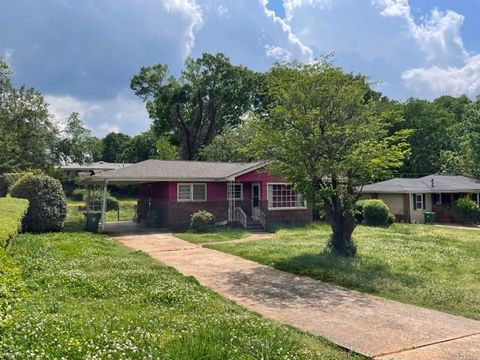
343, 223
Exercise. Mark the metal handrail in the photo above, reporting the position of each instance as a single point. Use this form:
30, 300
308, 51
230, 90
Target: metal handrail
262, 218
240, 216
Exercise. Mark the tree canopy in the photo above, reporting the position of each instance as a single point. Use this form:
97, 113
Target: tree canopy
210, 94
328, 137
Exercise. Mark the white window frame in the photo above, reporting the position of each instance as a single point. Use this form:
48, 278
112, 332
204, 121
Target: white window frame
229, 192
269, 201
438, 200
421, 201
191, 192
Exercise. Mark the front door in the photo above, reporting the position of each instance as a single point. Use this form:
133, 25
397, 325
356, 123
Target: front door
255, 200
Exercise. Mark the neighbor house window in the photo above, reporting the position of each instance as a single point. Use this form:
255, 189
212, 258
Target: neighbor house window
418, 201
282, 196
192, 192
235, 191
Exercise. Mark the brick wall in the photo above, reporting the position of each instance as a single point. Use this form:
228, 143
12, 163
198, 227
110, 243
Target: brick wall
297, 216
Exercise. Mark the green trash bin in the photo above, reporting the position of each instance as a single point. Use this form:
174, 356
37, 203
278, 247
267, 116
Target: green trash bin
92, 219
429, 217
154, 220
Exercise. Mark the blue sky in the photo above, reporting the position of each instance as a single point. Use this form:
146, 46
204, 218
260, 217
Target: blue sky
82, 54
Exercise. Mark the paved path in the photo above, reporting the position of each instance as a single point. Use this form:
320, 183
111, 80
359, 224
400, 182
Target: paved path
366, 324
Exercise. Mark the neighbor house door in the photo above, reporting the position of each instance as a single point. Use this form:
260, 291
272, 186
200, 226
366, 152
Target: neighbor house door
255, 200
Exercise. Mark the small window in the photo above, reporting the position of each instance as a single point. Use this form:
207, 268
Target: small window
282, 196
419, 201
438, 198
235, 191
192, 192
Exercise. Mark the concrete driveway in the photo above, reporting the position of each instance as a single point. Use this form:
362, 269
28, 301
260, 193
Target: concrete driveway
363, 323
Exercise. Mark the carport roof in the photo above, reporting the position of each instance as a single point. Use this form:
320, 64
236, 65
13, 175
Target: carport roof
175, 170
426, 184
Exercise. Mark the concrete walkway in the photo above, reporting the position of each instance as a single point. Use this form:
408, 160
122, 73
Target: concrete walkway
366, 324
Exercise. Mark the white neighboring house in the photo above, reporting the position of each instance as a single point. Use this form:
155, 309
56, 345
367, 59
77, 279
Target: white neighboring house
409, 198
85, 170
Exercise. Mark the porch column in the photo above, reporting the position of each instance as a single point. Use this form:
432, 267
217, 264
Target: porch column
104, 204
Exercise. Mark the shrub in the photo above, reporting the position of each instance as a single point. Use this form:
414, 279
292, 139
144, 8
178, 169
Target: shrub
375, 212
358, 211
6, 182
112, 203
202, 221
11, 283
77, 194
47, 203
12, 212
465, 210
391, 219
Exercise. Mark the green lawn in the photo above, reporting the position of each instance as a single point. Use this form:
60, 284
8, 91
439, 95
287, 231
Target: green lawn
219, 234
75, 216
91, 298
435, 267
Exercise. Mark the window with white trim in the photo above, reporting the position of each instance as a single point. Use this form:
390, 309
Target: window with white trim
418, 201
191, 192
282, 196
234, 191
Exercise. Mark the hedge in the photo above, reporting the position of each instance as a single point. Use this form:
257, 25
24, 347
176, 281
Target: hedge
12, 287
6, 182
12, 212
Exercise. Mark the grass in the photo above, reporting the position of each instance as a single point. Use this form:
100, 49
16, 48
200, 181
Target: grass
91, 298
434, 267
75, 217
218, 234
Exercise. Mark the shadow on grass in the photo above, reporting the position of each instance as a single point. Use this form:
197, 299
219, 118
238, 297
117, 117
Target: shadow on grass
365, 273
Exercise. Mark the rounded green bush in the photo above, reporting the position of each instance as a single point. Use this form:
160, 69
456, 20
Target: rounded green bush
202, 221
465, 210
375, 212
358, 211
112, 203
47, 202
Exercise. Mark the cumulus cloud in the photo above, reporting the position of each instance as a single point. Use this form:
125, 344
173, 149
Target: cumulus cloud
278, 53
121, 113
437, 81
293, 38
452, 70
191, 11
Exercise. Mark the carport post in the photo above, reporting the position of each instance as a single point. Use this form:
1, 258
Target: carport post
104, 204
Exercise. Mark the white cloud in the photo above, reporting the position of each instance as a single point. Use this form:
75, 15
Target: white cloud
193, 12
291, 5
437, 81
293, 39
278, 53
452, 70
122, 113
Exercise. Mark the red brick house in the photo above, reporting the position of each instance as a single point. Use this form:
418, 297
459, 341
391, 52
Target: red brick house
234, 192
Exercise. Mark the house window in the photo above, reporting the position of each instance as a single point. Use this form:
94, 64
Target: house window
282, 196
418, 202
191, 192
437, 198
235, 191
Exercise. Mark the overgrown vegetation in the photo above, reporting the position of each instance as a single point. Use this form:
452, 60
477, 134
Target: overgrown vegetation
465, 211
424, 265
91, 298
11, 282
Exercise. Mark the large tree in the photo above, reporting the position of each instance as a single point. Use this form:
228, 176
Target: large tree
28, 136
113, 146
209, 94
328, 136
76, 142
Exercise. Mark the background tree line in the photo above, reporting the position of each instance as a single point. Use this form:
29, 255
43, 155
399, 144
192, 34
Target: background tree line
208, 112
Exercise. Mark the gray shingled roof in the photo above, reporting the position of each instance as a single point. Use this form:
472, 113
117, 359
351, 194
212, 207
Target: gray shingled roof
426, 184
166, 170
100, 165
